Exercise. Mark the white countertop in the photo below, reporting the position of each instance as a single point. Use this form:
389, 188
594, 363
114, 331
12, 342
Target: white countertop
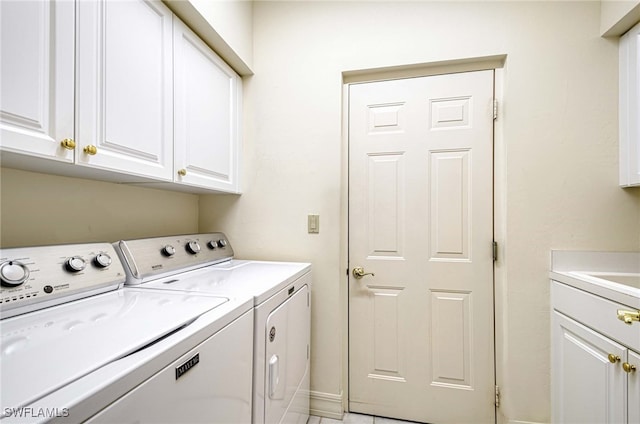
612, 275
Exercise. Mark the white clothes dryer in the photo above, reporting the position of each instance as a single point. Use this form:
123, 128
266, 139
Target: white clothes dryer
281, 293
75, 346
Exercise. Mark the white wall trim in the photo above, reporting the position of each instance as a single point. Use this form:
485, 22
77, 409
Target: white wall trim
523, 422
327, 405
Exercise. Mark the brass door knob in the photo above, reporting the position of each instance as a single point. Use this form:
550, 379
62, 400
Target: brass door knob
182, 172
90, 149
613, 358
627, 367
358, 272
68, 144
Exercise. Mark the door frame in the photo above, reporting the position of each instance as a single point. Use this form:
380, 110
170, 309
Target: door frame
497, 64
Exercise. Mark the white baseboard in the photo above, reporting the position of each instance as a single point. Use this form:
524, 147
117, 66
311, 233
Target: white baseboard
326, 405
523, 422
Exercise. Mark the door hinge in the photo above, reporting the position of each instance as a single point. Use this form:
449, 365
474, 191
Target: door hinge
497, 396
495, 109
495, 251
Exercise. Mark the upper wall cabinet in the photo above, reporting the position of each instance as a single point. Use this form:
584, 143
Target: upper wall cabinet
124, 111
630, 108
138, 108
37, 77
207, 106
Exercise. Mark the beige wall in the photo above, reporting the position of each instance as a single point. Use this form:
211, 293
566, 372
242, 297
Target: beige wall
618, 16
38, 209
556, 170
557, 156
226, 25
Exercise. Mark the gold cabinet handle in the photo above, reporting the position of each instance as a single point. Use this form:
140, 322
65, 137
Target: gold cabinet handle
358, 272
613, 358
628, 368
182, 172
68, 144
90, 149
628, 316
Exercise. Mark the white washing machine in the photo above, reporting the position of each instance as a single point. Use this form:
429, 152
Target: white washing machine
75, 346
281, 292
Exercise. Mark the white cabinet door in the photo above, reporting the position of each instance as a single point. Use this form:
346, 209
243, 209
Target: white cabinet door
207, 107
36, 84
634, 388
630, 108
585, 386
125, 87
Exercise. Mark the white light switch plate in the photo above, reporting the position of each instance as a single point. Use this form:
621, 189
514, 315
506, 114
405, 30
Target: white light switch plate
313, 224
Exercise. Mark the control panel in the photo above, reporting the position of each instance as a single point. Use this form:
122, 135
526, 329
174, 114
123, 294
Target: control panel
32, 278
147, 259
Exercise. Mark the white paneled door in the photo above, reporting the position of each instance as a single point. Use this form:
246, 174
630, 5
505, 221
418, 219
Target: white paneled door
421, 334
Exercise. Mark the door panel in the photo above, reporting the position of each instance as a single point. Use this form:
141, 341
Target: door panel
590, 389
421, 220
125, 87
37, 76
287, 358
207, 102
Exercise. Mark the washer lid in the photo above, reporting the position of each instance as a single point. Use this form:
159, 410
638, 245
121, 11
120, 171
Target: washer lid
45, 350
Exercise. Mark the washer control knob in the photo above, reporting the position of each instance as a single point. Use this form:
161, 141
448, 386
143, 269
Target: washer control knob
222, 243
13, 273
193, 247
102, 260
168, 250
212, 244
75, 264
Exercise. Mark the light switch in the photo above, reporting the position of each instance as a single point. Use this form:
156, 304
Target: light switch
313, 224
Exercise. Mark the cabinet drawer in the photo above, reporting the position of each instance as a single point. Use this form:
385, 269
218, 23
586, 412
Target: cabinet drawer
595, 312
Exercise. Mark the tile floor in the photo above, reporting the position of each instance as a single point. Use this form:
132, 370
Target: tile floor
351, 418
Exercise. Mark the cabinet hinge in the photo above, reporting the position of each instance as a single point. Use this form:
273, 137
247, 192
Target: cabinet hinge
495, 109
497, 396
495, 251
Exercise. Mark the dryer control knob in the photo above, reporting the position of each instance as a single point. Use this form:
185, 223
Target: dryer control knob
212, 244
102, 260
13, 273
168, 250
222, 243
193, 247
75, 264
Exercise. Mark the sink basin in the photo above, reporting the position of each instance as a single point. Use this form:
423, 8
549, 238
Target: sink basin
632, 280
623, 278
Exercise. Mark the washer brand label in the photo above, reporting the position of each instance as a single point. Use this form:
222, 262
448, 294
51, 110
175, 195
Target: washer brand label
182, 369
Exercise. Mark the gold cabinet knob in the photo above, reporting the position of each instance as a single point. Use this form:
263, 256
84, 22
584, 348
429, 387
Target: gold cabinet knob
182, 172
628, 316
68, 144
613, 358
90, 149
627, 367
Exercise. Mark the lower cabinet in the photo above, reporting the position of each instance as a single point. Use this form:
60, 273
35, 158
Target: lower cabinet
594, 379
634, 388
